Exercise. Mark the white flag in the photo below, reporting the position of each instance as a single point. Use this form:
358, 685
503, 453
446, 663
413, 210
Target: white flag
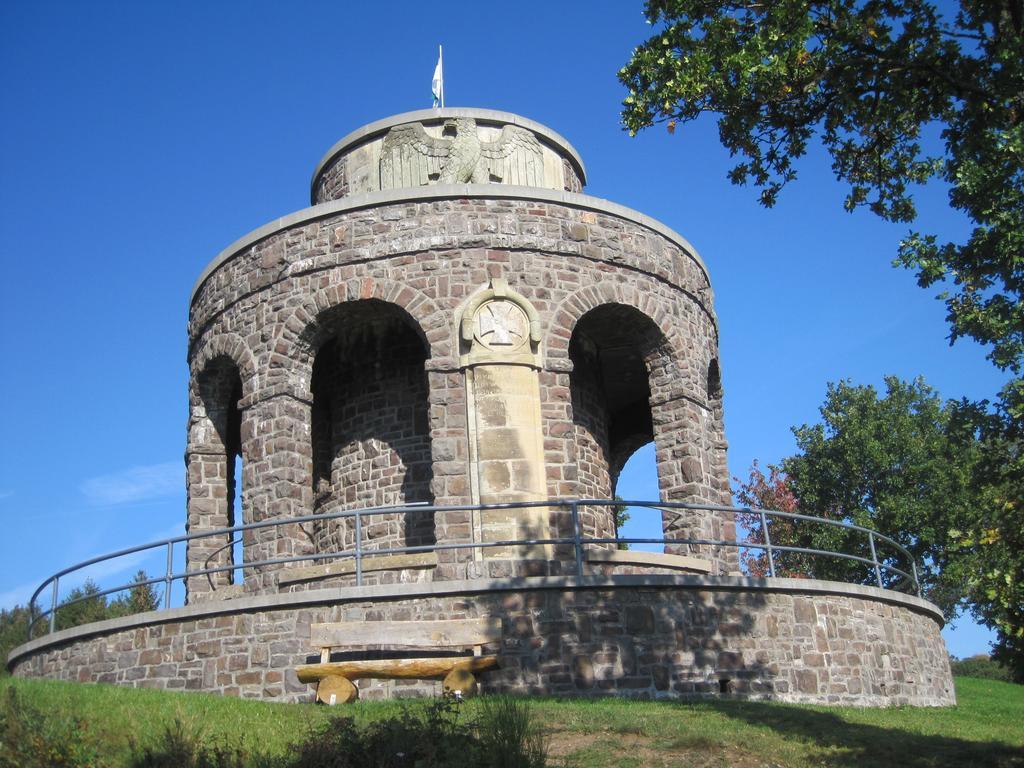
437, 84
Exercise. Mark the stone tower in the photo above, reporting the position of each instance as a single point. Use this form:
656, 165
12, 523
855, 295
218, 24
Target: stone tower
453, 329
452, 322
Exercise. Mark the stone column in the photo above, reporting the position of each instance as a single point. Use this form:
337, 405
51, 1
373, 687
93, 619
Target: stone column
450, 453
208, 504
690, 450
499, 335
276, 440
690, 465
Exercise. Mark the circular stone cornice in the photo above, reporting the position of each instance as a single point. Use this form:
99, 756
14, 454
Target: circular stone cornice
447, 192
485, 116
396, 592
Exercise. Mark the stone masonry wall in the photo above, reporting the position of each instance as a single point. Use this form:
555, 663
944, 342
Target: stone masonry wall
426, 258
650, 642
370, 433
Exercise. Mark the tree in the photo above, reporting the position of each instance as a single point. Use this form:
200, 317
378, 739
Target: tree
990, 545
13, 632
903, 464
868, 79
83, 605
620, 515
915, 468
771, 492
141, 597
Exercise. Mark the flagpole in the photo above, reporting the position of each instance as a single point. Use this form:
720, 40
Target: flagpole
440, 58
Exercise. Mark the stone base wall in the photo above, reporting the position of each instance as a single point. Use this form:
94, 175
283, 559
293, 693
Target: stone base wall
637, 636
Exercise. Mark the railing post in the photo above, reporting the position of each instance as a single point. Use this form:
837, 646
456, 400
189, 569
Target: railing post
768, 544
169, 574
359, 549
913, 570
53, 605
576, 542
874, 558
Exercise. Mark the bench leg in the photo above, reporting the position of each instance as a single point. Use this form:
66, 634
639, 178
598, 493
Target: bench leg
336, 690
460, 680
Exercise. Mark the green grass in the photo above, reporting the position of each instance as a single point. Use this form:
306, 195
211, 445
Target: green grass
985, 729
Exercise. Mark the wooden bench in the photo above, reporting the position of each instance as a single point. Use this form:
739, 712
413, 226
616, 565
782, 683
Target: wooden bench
334, 678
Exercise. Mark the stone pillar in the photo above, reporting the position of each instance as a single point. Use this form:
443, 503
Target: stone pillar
450, 484
276, 440
207, 503
499, 335
690, 470
209, 490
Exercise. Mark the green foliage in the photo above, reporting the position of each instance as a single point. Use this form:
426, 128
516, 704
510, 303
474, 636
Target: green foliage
181, 746
29, 739
982, 667
983, 729
13, 632
938, 477
620, 516
505, 735
903, 464
84, 604
508, 735
990, 545
867, 79
141, 597
427, 738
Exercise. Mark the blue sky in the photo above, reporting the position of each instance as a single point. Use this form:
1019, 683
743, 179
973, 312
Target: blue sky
139, 139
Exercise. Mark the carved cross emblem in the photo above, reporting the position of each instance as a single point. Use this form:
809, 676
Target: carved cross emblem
501, 324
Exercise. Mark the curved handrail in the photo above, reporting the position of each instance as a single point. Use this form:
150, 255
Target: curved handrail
577, 540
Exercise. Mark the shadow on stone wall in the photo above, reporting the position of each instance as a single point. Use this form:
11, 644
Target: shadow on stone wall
640, 643
370, 426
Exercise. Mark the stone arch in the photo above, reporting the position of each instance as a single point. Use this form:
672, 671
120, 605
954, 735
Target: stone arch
370, 437
572, 308
228, 345
298, 340
616, 351
213, 460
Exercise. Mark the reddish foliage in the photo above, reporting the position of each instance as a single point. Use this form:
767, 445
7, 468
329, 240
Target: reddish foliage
772, 492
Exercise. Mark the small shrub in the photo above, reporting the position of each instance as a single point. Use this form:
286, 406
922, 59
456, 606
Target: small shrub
434, 738
981, 666
30, 739
509, 736
504, 736
180, 746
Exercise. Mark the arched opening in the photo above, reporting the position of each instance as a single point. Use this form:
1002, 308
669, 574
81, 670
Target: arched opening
611, 349
638, 481
714, 379
215, 472
370, 426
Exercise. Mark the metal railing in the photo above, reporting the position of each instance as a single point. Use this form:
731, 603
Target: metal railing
883, 570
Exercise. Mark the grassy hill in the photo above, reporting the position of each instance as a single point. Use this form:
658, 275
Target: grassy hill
985, 729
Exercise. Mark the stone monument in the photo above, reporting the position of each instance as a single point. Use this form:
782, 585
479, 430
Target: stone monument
451, 323
411, 382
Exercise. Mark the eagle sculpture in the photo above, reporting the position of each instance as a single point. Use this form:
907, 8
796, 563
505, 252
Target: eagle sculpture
411, 158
